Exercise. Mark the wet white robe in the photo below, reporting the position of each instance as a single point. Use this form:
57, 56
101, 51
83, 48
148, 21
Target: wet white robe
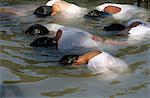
72, 37
105, 62
127, 11
74, 10
138, 34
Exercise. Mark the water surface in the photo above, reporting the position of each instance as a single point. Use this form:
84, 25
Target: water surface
28, 72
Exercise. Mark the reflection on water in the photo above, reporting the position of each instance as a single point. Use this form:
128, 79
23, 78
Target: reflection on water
27, 72
62, 93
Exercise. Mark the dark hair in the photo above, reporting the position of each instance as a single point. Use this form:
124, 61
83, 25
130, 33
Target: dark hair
43, 42
43, 11
96, 14
68, 59
37, 29
114, 27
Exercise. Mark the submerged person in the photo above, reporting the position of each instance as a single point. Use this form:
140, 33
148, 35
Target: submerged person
130, 24
136, 29
17, 10
97, 61
54, 7
66, 37
117, 11
12, 11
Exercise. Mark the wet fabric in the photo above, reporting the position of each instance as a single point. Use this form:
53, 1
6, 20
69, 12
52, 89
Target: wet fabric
104, 62
51, 2
127, 11
138, 34
72, 37
73, 11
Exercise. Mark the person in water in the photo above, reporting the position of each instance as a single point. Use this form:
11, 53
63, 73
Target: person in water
136, 29
12, 11
60, 37
66, 37
117, 11
97, 61
54, 7
133, 27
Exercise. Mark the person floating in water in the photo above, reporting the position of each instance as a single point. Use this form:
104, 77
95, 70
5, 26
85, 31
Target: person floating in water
117, 11
12, 11
54, 7
136, 29
61, 37
97, 61
67, 37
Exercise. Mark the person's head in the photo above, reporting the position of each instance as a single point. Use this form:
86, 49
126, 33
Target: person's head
69, 59
43, 11
44, 42
114, 27
97, 14
37, 29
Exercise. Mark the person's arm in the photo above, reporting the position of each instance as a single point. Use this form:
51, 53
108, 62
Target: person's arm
83, 59
109, 41
12, 11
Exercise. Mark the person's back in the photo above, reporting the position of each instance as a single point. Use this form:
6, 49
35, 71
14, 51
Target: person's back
72, 38
65, 8
69, 37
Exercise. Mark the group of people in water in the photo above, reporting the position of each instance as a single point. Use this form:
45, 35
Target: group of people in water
65, 38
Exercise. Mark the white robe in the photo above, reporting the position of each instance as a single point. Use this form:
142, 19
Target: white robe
127, 11
72, 37
138, 34
105, 62
73, 11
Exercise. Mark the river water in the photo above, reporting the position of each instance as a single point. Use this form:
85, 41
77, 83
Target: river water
27, 72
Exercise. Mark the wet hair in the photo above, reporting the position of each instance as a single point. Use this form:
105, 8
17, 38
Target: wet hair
43, 11
37, 29
44, 42
68, 59
97, 14
114, 27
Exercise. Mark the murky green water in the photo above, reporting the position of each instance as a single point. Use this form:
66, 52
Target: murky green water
28, 72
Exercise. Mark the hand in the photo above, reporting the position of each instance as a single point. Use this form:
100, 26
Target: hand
98, 38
